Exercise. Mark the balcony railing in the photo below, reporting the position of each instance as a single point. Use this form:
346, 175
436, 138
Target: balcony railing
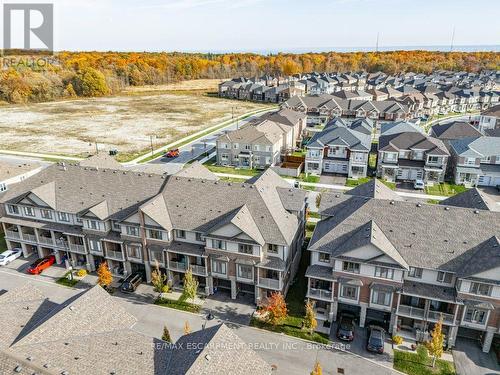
434, 315
12, 234
270, 283
134, 255
96, 251
177, 265
118, 255
46, 240
411, 311
77, 248
156, 256
320, 293
29, 237
199, 270
62, 243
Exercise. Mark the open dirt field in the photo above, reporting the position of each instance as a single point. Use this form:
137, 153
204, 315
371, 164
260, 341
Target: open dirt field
209, 85
122, 122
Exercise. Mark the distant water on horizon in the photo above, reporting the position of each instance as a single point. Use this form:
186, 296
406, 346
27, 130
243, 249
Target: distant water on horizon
440, 48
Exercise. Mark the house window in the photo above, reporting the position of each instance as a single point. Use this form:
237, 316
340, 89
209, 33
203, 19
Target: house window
245, 249
93, 224
418, 155
134, 251
432, 159
268, 160
235, 145
256, 147
384, 272
219, 267
117, 226
350, 267
95, 245
46, 214
350, 292
381, 298
180, 233
63, 216
132, 231
224, 157
324, 258
155, 234
359, 157
198, 237
415, 272
272, 249
14, 210
247, 147
476, 316
390, 156
256, 159
218, 244
480, 289
245, 271
3, 187
29, 211
470, 161
444, 277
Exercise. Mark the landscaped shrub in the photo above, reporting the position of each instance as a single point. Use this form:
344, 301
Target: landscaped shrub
398, 340
81, 273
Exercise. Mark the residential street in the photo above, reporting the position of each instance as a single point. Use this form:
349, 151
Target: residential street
291, 356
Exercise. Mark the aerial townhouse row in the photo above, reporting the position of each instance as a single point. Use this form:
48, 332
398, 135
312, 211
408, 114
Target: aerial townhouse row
262, 142
404, 265
423, 95
239, 237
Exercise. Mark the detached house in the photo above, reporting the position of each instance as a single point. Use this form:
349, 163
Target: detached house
339, 149
405, 265
411, 156
239, 237
476, 161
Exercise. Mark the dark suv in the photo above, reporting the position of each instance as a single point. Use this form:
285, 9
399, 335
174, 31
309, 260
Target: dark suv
131, 283
345, 329
376, 339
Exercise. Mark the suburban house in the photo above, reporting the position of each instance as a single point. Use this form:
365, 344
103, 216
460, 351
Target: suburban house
239, 237
404, 265
472, 198
339, 148
490, 118
454, 130
261, 143
476, 161
11, 173
92, 333
411, 156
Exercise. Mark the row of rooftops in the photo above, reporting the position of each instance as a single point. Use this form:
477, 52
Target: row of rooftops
459, 235
194, 199
93, 333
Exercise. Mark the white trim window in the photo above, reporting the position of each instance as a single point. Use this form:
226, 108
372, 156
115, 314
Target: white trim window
95, 245
132, 231
476, 316
220, 267
245, 271
444, 277
324, 258
384, 272
29, 211
63, 216
350, 267
3, 186
480, 289
415, 272
349, 292
13, 210
179, 233
46, 214
381, 298
218, 244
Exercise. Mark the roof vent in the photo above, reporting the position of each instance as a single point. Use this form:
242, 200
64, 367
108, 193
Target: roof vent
392, 202
447, 208
18, 369
476, 211
207, 357
46, 365
30, 358
419, 204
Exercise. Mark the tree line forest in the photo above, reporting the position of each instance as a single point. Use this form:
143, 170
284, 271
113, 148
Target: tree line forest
93, 74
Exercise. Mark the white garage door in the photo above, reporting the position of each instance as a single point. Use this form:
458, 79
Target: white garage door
403, 174
409, 174
334, 167
484, 180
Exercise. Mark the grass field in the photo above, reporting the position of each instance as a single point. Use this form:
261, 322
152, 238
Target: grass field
129, 122
411, 364
445, 189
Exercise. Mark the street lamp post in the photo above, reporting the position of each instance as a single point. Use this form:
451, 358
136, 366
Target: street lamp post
208, 317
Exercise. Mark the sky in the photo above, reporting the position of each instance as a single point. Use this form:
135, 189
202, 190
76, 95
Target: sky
265, 26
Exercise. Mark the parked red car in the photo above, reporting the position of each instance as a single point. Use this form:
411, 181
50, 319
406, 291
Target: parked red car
40, 264
172, 153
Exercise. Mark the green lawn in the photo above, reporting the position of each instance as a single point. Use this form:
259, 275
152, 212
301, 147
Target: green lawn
295, 301
210, 164
67, 282
179, 305
372, 160
3, 244
445, 189
309, 178
360, 181
409, 363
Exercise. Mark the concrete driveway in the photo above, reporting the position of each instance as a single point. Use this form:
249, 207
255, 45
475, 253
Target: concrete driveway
358, 346
470, 360
331, 179
224, 308
52, 273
